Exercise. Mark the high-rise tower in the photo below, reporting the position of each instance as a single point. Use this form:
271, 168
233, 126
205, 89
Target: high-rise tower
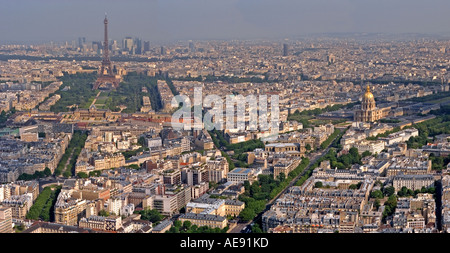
106, 77
285, 49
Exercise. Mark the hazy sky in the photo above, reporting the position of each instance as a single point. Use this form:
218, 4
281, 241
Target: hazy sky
169, 20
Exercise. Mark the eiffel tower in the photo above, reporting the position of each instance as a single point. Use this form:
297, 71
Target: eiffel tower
106, 78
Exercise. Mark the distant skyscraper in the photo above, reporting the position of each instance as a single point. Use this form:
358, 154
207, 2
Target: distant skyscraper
163, 50
138, 46
127, 44
285, 49
146, 46
114, 46
81, 41
97, 46
191, 47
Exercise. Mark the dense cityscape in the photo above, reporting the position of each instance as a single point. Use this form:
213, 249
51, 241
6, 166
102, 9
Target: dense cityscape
88, 145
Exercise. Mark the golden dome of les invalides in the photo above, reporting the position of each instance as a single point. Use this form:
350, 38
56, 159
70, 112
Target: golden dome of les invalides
368, 95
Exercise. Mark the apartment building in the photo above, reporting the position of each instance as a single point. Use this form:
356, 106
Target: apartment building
19, 204
110, 223
413, 182
6, 219
213, 221
68, 209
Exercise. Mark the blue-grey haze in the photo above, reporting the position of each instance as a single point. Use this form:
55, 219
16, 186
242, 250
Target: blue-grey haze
171, 20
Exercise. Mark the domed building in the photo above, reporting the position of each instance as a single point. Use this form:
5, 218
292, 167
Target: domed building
369, 111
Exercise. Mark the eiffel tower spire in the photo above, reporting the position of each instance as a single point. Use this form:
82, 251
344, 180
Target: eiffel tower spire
106, 78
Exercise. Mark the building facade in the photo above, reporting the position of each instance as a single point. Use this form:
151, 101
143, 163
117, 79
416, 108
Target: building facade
5, 220
369, 111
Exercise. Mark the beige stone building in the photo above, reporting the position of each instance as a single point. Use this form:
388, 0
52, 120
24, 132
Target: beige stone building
413, 182
284, 166
220, 207
5, 220
67, 208
19, 204
369, 111
110, 223
217, 169
200, 220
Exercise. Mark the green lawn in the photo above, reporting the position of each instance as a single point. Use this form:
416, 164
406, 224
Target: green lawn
80, 92
442, 100
129, 93
101, 100
87, 104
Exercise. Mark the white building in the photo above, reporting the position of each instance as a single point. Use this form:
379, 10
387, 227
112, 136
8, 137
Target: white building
400, 136
371, 146
127, 210
242, 174
115, 205
154, 143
